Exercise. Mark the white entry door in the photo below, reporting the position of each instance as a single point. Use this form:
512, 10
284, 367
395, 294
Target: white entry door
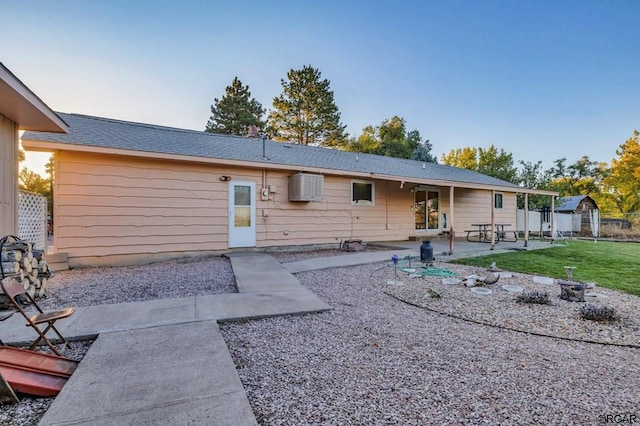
242, 214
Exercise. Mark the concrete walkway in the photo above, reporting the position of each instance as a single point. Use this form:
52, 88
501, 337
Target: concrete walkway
164, 362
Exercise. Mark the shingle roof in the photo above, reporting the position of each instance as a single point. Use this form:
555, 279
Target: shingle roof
116, 134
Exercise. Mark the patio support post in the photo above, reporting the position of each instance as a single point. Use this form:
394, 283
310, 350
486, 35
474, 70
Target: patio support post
451, 218
526, 219
553, 218
493, 219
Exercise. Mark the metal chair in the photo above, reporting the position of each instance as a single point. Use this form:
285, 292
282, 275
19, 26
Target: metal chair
3, 316
13, 289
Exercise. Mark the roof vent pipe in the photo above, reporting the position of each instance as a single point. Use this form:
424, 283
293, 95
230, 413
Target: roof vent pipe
264, 148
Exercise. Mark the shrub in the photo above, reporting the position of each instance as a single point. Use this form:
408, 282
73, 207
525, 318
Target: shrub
598, 313
538, 297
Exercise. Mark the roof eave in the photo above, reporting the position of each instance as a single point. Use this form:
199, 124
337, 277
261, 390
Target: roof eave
23, 107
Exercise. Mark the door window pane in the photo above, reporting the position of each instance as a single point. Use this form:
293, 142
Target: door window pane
242, 217
242, 195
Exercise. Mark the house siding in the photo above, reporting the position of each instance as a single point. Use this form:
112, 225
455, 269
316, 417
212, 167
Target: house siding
115, 206
114, 209
472, 206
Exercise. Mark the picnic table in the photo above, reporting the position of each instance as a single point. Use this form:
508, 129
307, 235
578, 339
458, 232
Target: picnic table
482, 233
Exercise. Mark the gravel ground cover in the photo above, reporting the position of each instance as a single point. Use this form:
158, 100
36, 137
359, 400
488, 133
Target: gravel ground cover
94, 286
162, 280
378, 359
289, 256
375, 359
560, 318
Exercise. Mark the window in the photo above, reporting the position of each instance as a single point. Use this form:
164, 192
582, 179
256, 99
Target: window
497, 202
362, 193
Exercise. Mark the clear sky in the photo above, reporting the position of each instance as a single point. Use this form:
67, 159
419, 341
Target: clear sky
540, 79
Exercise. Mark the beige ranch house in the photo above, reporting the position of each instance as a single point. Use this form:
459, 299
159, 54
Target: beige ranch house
130, 192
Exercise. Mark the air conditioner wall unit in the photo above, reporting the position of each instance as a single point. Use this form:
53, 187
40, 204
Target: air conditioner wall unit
305, 187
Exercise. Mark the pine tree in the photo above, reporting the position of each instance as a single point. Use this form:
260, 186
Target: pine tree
306, 112
235, 111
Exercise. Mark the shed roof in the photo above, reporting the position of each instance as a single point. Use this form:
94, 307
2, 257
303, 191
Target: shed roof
89, 133
569, 204
23, 107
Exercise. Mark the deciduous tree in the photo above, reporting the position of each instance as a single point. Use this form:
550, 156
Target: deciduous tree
580, 178
391, 139
497, 163
622, 183
532, 175
33, 182
235, 111
306, 112
491, 162
465, 158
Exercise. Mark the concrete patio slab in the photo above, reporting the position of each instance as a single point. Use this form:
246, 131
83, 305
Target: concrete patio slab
347, 259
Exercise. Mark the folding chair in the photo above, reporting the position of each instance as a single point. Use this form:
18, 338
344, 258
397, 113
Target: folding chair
4, 316
12, 289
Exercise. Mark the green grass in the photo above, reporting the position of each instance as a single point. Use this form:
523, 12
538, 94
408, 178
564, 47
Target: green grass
607, 264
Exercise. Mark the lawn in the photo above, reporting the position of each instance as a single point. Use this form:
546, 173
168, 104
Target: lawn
607, 264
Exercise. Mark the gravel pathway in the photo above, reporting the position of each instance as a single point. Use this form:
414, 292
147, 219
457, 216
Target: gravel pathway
377, 360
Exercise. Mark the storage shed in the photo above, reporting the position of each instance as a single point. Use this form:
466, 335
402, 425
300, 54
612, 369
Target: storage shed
581, 206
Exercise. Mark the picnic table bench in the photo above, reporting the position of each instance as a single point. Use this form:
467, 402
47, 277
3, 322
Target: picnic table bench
482, 233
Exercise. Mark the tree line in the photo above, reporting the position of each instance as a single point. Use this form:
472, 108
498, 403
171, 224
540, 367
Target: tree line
305, 113
614, 187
